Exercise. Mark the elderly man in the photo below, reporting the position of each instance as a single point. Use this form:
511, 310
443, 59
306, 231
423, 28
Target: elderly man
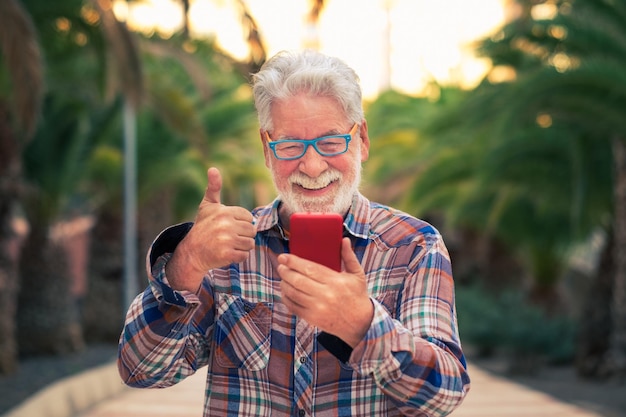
282, 335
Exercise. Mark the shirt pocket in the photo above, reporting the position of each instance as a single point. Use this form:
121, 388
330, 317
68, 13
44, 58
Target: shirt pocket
242, 333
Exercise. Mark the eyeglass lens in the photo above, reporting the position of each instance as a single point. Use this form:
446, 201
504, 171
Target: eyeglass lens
327, 146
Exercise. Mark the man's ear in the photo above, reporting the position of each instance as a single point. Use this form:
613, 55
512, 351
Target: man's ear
266, 149
365, 141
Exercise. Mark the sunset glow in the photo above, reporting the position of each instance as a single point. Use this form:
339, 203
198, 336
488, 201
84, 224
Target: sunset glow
391, 43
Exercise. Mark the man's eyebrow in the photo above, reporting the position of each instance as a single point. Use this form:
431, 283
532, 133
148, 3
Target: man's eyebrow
329, 133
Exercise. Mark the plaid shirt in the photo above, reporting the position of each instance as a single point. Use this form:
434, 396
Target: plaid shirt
264, 361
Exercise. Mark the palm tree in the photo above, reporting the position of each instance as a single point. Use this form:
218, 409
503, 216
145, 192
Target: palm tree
75, 115
439, 171
564, 106
78, 119
582, 84
532, 160
54, 162
197, 110
257, 52
21, 57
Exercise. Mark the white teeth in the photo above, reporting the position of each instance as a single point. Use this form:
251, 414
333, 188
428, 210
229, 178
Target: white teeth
324, 180
312, 186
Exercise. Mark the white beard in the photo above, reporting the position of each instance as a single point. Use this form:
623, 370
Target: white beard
339, 202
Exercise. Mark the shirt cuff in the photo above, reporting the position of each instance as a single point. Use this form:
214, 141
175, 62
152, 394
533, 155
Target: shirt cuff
167, 241
160, 253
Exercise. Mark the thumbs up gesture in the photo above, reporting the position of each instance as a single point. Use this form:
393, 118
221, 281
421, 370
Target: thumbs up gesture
221, 235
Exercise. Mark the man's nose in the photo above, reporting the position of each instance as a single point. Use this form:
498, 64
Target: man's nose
312, 163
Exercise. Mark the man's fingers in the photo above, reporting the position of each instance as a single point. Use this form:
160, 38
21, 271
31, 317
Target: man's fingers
214, 186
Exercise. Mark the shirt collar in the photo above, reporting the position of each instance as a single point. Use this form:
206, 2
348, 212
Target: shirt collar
267, 217
356, 221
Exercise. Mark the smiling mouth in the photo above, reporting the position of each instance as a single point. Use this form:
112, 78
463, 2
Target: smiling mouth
306, 183
315, 187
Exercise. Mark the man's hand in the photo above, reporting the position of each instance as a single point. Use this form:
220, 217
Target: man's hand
335, 302
221, 235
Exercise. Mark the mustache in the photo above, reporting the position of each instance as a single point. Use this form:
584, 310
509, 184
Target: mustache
323, 180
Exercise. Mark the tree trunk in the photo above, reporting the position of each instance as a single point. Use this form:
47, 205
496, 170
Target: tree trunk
10, 242
103, 308
48, 317
616, 358
9, 250
594, 330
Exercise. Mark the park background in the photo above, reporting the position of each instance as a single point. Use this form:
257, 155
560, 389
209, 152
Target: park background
500, 122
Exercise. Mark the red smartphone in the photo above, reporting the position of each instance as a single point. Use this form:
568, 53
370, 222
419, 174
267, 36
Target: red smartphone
317, 237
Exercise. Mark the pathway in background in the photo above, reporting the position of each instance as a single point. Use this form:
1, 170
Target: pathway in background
184, 399
491, 396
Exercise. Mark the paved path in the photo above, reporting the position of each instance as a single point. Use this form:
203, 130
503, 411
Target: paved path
491, 396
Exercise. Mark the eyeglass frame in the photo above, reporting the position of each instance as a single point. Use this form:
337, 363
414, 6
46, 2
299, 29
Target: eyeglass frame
310, 142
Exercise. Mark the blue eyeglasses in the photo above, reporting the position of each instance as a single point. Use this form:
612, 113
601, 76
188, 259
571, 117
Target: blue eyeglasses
289, 149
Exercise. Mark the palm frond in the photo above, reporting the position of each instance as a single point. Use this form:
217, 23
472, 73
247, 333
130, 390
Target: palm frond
124, 51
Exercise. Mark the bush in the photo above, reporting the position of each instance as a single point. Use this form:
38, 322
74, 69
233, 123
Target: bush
507, 323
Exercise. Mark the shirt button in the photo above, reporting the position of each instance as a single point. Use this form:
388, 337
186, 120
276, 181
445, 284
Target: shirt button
302, 360
301, 413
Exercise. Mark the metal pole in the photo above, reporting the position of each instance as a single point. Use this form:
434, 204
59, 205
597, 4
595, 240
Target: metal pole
130, 205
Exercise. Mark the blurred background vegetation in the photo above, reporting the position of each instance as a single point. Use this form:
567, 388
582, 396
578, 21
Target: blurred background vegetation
525, 174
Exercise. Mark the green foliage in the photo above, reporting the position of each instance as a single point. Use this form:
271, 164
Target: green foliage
195, 110
199, 113
577, 75
526, 161
57, 158
396, 123
75, 118
506, 323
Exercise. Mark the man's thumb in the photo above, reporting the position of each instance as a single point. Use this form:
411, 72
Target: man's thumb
214, 186
350, 262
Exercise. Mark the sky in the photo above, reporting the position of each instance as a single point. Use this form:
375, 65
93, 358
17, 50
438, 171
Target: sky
401, 44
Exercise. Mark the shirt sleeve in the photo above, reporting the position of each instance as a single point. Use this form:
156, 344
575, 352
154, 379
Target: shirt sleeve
416, 358
164, 336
